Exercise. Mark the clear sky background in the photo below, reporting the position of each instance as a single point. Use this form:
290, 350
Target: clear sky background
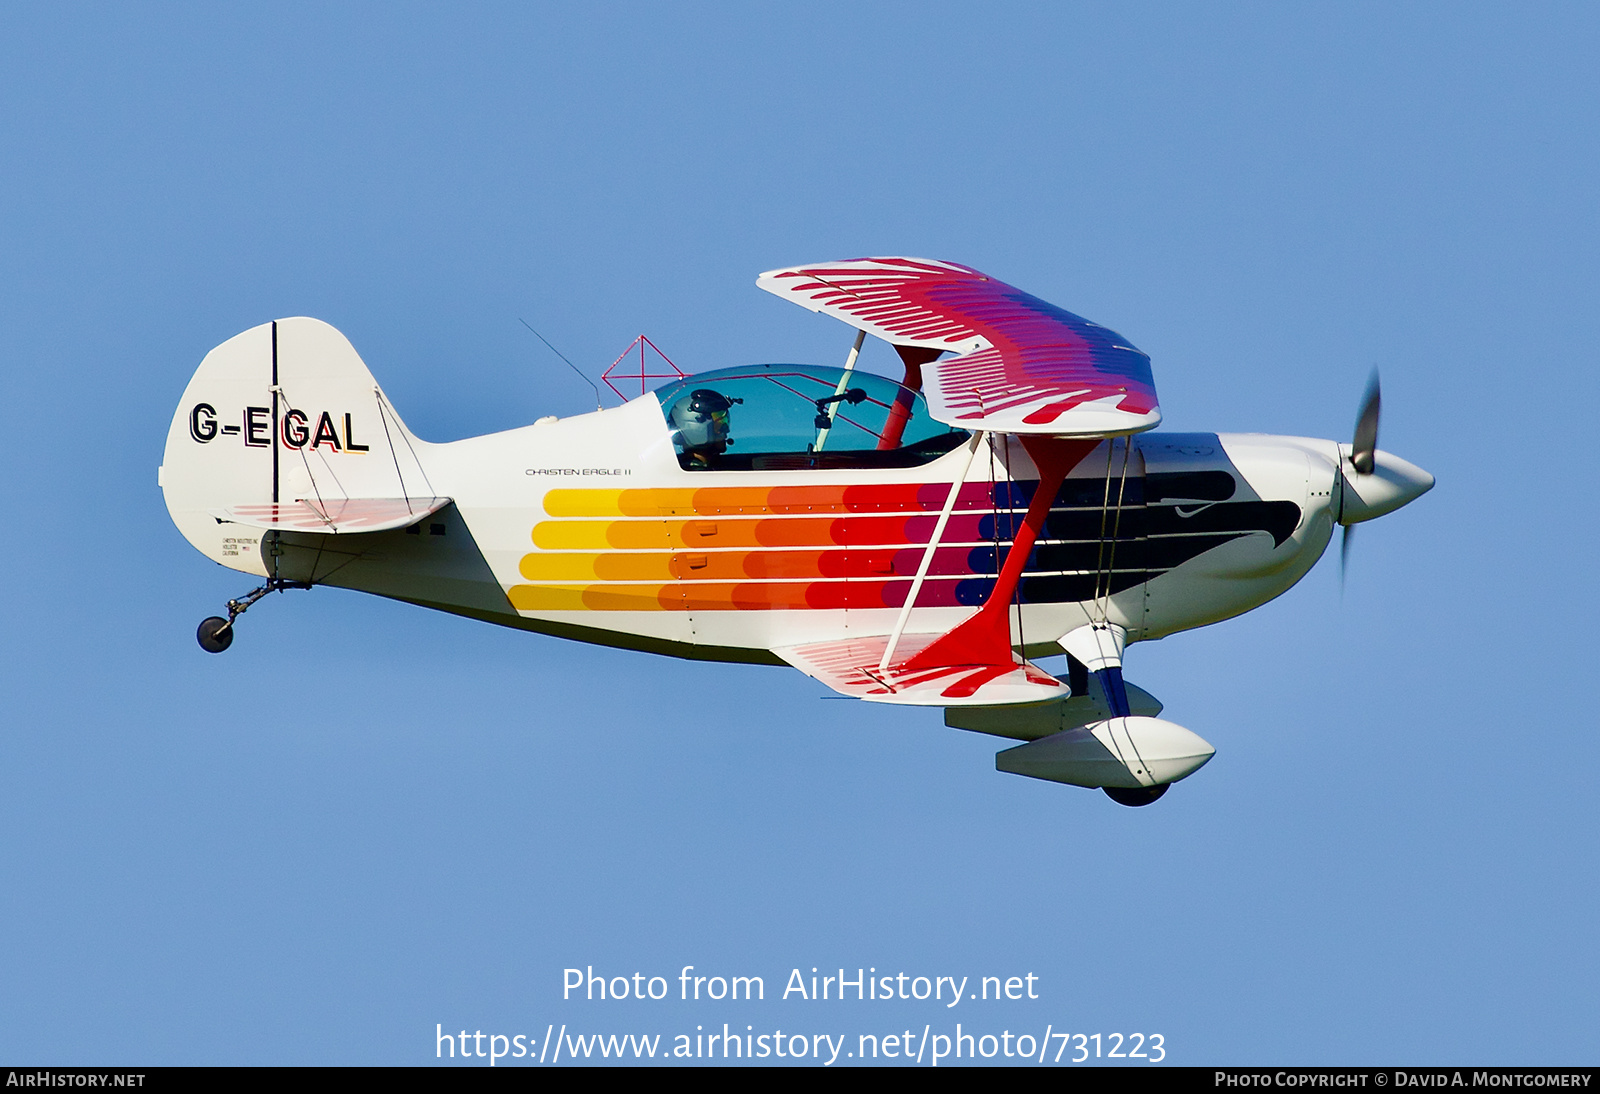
367, 818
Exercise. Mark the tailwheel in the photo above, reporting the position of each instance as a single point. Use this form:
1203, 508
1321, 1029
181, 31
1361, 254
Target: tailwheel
1135, 795
215, 634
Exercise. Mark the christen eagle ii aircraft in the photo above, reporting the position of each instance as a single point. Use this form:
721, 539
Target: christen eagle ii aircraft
910, 542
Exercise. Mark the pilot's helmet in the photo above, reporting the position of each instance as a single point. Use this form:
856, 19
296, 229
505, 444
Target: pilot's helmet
701, 421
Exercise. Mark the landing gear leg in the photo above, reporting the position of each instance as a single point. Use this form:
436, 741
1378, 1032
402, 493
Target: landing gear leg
215, 634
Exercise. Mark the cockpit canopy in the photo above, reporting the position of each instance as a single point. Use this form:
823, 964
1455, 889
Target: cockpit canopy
789, 417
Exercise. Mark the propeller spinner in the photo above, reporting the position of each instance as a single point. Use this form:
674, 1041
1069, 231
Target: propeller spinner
1374, 482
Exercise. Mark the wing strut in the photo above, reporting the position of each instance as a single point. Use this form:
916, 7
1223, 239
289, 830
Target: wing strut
844, 382
972, 665
927, 553
985, 638
894, 430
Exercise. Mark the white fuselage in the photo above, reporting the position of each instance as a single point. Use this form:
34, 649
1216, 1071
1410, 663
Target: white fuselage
589, 527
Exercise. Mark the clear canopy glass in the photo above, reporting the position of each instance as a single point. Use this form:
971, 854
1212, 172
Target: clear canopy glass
773, 417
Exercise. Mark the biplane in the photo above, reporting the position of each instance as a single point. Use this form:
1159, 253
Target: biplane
919, 540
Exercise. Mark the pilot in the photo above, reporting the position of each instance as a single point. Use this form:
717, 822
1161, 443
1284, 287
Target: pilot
700, 419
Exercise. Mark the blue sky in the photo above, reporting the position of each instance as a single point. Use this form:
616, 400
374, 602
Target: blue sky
368, 819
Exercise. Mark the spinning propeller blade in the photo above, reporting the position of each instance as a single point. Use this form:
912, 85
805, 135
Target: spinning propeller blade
1362, 448
1366, 438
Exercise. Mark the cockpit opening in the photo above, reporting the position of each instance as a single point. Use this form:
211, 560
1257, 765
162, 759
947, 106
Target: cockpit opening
793, 417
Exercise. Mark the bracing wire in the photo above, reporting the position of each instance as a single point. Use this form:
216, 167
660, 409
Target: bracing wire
1100, 549
393, 455
1021, 574
384, 403
1103, 608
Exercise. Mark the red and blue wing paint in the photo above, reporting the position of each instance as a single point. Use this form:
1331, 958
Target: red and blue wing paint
1024, 365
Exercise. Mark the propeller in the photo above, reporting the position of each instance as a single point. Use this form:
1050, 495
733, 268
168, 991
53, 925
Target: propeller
1366, 439
1362, 457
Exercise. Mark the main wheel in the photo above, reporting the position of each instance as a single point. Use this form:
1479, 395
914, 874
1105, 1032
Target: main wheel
214, 635
1135, 795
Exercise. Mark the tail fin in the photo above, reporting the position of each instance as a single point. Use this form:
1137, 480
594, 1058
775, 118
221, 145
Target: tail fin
279, 422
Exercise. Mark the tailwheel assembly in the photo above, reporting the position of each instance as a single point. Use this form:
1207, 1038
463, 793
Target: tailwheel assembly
215, 634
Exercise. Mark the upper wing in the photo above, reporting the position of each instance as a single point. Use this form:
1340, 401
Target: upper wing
1025, 366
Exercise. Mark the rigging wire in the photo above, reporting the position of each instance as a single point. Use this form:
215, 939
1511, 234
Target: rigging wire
1103, 607
393, 455
384, 402
1011, 503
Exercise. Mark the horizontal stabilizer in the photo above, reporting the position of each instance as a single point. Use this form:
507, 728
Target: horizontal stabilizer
340, 515
850, 667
